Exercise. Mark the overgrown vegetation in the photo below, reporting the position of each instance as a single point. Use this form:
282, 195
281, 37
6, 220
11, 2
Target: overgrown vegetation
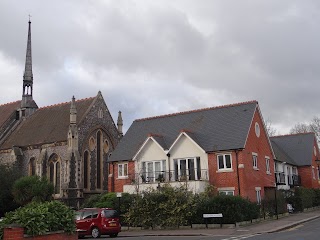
32, 188
302, 198
39, 218
8, 175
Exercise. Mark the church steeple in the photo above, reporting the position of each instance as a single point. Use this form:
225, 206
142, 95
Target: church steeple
120, 123
28, 106
28, 76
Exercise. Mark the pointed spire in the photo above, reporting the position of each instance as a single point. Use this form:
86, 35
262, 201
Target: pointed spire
27, 88
28, 76
73, 111
120, 123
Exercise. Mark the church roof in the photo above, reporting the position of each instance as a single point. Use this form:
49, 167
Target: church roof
46, 125
6, 110
213, 129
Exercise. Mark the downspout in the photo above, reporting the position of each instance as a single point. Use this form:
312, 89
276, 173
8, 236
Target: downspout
238, 177
112, 179
168, 155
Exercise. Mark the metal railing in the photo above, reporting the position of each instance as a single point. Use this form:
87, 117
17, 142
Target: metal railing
168, 176
294, 180
280, 178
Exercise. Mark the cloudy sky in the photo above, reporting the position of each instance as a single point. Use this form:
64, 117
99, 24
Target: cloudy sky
156, 57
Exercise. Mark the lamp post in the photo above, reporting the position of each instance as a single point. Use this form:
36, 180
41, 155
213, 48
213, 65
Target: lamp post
119, 195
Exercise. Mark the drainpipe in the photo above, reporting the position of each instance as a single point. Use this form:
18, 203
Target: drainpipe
168, 155
237, 162
112, 179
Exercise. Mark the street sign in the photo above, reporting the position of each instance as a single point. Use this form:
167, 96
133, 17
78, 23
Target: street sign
213, 215
119, 194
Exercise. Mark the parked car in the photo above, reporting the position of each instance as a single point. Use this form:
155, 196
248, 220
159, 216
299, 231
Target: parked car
97, 222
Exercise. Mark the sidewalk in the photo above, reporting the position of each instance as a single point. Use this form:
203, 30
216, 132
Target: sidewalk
267, 226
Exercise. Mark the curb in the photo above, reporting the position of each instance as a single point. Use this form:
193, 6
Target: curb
291, 225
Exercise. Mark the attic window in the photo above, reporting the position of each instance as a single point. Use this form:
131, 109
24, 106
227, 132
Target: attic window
100, 113
257, 129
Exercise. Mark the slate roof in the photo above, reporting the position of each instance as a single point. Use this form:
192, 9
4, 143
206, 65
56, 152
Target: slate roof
6, 110
214, 129
46, 125
296, 149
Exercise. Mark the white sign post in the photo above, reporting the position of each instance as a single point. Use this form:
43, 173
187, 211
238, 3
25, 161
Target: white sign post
212, 215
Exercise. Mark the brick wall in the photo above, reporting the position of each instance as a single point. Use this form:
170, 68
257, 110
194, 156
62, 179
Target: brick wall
17, 233
115, 183
249, 177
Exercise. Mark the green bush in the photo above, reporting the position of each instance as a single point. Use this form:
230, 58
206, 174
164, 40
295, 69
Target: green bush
302, 198
8, 175
32, 188
233, 208
39, 218
168, 207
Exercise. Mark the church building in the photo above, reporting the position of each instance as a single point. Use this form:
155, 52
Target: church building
69, 143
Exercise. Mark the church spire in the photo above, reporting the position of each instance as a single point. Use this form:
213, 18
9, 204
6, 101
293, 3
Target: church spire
28, 105
28, 76
120, 123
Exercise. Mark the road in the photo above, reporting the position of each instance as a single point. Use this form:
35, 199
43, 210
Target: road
305, 231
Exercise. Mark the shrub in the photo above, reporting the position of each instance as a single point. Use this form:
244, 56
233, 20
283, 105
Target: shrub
167, 207
32, 188
39, 218
8, 175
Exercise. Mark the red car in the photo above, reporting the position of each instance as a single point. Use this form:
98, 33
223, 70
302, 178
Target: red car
97, 222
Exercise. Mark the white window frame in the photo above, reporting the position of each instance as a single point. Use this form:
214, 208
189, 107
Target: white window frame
226, 192
268, 165
196, 167
255, 161
151, 176
258, 194
122, 166
225, 168
313, 173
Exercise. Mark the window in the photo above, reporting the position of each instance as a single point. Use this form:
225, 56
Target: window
224, 161
255, 160
153, 171
228, 193
54, 172
99, 159
100, 113
32, 167
258, 193
86, 171
123, 170
187, 169
257, 129
313, 174
268, 164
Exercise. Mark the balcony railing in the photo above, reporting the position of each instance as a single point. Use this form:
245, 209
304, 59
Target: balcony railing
280, 178
168, 176
294, 180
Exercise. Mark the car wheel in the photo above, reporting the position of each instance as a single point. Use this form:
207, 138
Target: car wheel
113, 235
95, 232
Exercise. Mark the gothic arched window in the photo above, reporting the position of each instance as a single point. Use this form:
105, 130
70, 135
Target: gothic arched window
32, 167
99, 159
54, 172
86, 170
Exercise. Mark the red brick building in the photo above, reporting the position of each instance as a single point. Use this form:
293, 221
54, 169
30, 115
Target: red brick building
225, 146
297, 155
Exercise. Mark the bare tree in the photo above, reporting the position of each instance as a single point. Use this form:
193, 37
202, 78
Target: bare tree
300, 128
269, 128
313, 126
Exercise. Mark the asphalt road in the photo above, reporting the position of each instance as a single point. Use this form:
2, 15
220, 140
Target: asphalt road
305, 231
